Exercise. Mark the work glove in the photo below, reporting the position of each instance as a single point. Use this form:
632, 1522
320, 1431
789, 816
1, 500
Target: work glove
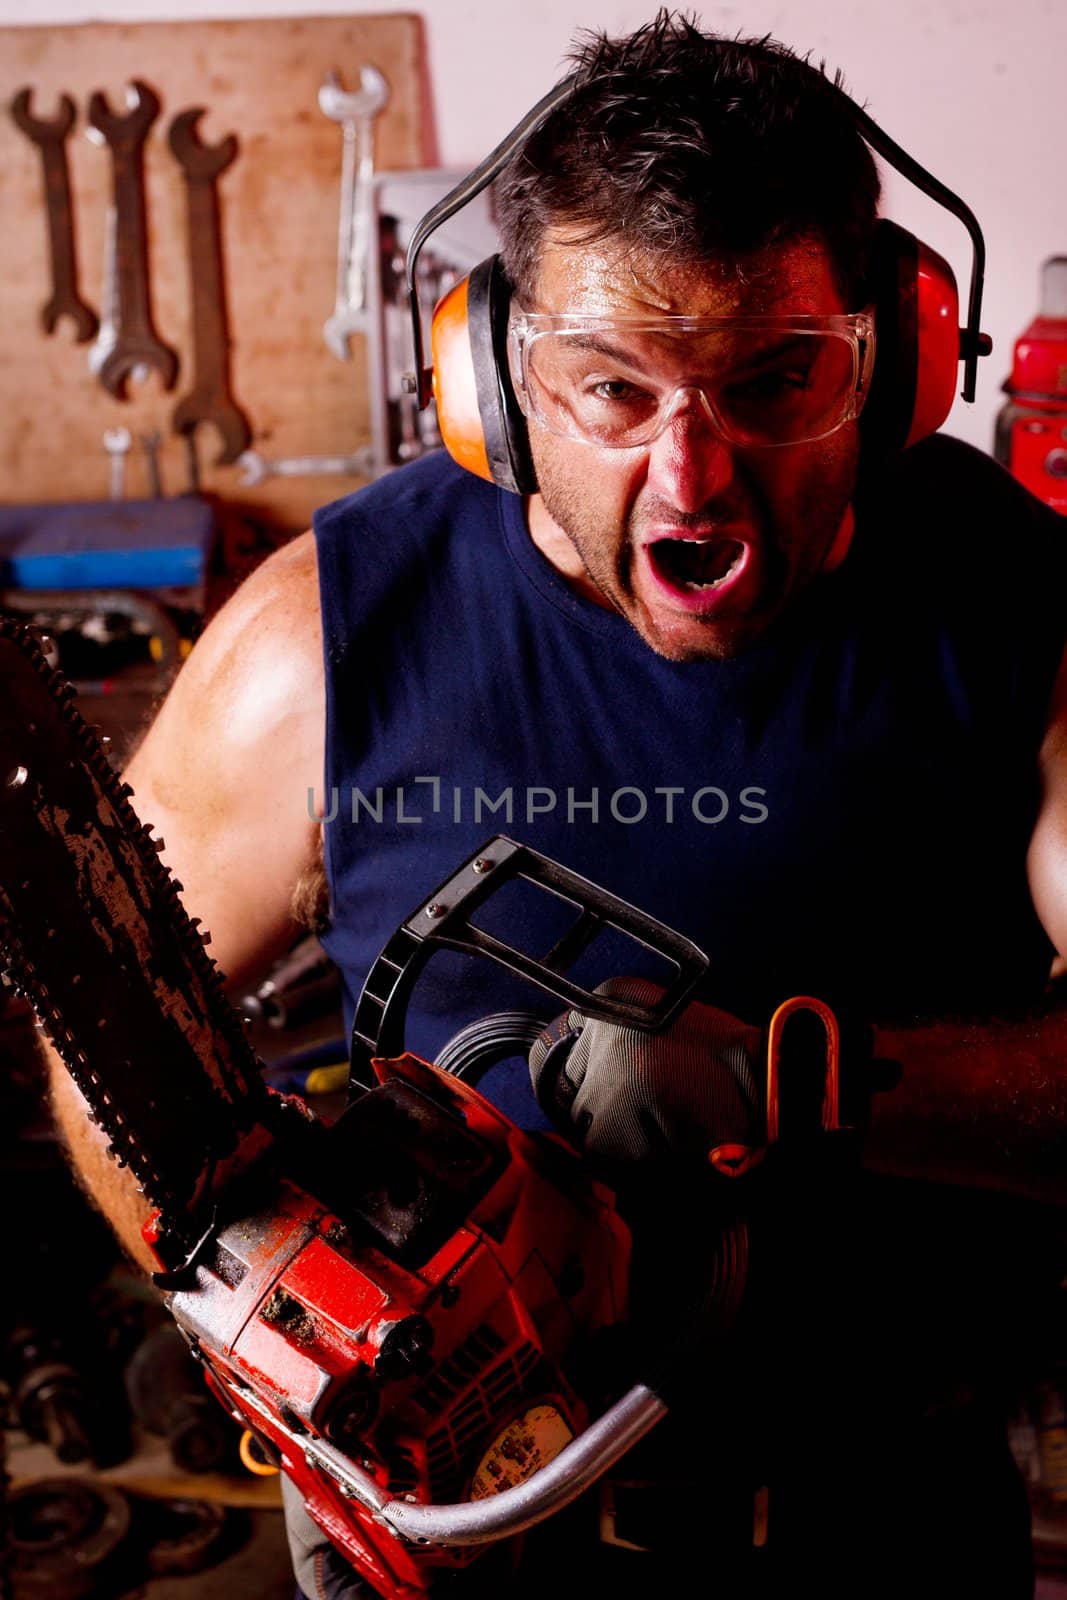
627, 1096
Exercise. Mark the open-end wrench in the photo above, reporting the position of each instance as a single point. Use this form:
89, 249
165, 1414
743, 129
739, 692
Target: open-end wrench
49, 134
104, 342
134, 342
356, 113
209, 400
256, 468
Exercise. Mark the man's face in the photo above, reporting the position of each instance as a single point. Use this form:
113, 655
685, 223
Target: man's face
758, 522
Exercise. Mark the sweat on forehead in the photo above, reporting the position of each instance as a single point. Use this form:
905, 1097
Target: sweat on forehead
613, 277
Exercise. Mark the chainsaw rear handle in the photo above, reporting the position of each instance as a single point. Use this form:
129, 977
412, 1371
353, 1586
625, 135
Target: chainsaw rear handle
443, 922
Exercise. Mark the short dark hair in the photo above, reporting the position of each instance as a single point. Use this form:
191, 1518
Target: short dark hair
687, 143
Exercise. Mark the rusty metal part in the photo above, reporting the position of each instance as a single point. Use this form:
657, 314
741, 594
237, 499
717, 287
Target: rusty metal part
189, 1535
168, 1396
50, 1403
210, 399
94, 933
66, 1537
49, 134
135, 343
192, 464
150, 444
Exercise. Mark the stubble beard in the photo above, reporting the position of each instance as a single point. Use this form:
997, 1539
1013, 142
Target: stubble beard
788, 568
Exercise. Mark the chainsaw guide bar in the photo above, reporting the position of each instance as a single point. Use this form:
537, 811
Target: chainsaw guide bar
94, 934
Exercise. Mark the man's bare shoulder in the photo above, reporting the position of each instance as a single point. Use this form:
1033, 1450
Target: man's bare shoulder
225, 769
257, 671
268, 636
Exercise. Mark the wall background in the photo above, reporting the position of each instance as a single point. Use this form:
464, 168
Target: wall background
973, 89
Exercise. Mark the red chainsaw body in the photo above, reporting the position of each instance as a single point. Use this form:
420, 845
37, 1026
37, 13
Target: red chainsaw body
308, 1331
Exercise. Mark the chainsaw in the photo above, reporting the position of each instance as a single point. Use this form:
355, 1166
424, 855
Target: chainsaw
406, 1308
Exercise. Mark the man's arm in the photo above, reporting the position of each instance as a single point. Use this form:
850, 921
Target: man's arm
981, 1103
987, 1102
223, 775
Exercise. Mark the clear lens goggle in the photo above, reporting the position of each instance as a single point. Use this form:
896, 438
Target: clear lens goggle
762, 381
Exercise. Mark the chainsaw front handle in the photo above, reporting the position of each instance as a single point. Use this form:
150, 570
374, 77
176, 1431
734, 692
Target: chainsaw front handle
498, 1516
546, 1491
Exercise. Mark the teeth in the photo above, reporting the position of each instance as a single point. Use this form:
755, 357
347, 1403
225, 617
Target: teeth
697, 565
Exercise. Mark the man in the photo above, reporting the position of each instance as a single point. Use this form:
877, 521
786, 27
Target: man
732, 661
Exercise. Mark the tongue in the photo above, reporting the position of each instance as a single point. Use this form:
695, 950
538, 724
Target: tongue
685, 561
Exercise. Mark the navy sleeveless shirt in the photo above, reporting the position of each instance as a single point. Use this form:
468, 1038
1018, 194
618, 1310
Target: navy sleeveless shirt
842, 810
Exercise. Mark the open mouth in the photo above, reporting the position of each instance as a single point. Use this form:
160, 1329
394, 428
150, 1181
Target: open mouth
693, 565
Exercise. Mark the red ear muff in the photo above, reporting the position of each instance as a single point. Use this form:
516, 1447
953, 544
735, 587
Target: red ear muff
478, 415
917, 321
455, 390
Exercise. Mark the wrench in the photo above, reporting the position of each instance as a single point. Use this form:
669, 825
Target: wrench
150, 443
255, 468
49, 135
117, 443
356, 113
134, 342
209, 400
104, 342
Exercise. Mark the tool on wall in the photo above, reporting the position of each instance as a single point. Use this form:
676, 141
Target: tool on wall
104, 342
357, 302
356, 113
257, 469
210, 399
128, 340
49, 134
117, 443
150, 443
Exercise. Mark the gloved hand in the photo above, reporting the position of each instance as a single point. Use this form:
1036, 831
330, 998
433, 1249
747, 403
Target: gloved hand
629, 1096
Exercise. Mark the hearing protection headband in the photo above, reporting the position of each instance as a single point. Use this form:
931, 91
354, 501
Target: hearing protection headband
972, 342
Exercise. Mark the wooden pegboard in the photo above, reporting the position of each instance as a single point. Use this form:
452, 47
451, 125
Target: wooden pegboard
259, 80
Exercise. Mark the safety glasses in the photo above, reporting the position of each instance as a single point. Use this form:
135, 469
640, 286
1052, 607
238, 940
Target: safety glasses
619, 382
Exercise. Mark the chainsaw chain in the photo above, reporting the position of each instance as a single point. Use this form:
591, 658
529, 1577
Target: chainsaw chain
229, 1083
123, 1147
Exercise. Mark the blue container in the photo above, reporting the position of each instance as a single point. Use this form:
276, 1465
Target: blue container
107, 544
